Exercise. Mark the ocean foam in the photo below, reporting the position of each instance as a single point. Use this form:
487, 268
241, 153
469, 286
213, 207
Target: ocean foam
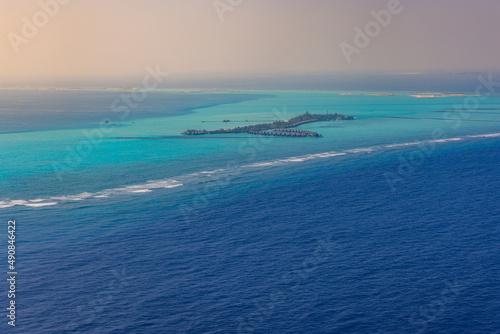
39, 205
491, 135
213, 172
136, 189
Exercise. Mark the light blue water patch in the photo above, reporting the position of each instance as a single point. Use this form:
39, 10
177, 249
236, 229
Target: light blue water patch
92, 159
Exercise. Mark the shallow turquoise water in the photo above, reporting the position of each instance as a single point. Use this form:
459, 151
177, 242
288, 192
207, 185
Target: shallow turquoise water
48, 163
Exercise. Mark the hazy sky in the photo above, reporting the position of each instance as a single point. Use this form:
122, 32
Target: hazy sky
104, 38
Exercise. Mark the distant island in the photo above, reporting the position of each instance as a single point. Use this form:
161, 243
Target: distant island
277, 128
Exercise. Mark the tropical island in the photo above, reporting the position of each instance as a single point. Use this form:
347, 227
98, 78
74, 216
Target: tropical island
277, 128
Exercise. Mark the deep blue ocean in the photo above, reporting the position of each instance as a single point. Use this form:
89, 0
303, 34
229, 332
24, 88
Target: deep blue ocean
388, 224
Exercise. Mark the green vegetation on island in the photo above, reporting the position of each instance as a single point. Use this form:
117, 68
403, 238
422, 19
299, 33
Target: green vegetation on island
278, 128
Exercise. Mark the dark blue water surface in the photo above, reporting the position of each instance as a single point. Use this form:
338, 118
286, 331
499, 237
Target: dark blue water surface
326, 247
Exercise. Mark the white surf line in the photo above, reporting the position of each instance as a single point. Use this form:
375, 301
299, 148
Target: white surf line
172, 183
136, 189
